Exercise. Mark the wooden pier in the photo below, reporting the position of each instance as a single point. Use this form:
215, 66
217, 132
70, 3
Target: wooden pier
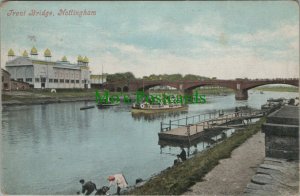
194, 127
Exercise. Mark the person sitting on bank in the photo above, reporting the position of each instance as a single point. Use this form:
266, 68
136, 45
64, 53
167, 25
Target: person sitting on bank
236, 111
178, 160
117, 180
88, 187
182, 155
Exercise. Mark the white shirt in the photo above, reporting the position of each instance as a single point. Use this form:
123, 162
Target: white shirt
120, 181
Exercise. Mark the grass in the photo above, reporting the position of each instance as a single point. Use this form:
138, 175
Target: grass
177, 179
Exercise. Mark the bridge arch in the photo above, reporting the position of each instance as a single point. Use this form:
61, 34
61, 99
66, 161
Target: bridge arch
148, 86
267, 84
191, 88
125, 88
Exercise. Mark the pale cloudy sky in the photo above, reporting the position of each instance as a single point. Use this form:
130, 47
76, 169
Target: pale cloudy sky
224, 39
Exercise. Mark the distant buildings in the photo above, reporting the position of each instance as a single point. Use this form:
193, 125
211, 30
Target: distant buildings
46, 73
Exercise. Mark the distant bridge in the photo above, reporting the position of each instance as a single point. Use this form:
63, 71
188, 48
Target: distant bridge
240, 86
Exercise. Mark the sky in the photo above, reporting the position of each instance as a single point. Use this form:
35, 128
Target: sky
227, 40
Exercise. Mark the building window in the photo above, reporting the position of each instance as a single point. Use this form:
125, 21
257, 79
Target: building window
67, 81
77, 81
72, 81
20, 79
43, 79
37, 80
50, 80
28, 79
55, 80
61, 81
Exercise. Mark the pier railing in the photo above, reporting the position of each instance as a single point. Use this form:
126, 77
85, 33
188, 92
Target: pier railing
217, 117
207, 120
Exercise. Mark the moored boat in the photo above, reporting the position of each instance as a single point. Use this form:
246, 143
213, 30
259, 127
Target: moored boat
148, 108
104, 105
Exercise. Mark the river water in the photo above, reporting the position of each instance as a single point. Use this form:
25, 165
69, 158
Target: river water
47, 149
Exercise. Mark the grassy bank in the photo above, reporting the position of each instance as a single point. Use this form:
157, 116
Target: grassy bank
178, 179
278, 89
34, 94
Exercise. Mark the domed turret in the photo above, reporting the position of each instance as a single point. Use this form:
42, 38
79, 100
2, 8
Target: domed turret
79, 58
11, 53
85, 60
33, 51
47, 53
25, 54
64, 59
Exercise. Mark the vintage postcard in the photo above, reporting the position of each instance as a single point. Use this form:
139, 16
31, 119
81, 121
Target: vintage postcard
149, 97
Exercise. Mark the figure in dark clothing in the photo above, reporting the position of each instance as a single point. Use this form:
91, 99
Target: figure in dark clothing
182, 155
236, 111
88, 187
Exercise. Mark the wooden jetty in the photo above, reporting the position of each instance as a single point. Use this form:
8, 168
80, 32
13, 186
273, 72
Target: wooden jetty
195, 127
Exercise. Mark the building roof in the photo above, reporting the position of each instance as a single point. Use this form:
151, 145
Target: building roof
3, 70
47, 53
33, 51
64, 59
25, 54
21, 61
11, 52
85, 60
79, 58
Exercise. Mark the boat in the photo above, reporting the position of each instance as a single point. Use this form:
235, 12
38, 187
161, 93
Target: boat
104, 105
148, 108
87, 107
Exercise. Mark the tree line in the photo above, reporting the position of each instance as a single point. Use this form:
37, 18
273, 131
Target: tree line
169, 77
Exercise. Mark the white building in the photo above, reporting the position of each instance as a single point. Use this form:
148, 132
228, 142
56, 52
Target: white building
46, 73
98, 80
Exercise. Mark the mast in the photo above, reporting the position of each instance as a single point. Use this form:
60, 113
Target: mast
102, 75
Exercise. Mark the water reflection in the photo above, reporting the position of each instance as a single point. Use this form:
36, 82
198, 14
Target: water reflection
210, 138
154, 116
57, 144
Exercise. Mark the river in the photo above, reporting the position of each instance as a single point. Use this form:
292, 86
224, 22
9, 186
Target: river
47, 149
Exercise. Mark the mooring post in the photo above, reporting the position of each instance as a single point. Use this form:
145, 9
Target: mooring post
170, 125
186, 119
161, 129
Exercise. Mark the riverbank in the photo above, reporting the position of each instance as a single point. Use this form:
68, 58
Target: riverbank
178, 179
278, 89
44, 97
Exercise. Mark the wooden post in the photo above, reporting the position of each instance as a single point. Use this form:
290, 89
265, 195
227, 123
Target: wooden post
161, 129
170, 125
186, 119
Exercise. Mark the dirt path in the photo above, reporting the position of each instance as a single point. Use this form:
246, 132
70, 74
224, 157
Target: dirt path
232, 175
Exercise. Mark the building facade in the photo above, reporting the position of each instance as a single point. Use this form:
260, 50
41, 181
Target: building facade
5, 80
48, 74
98, 80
